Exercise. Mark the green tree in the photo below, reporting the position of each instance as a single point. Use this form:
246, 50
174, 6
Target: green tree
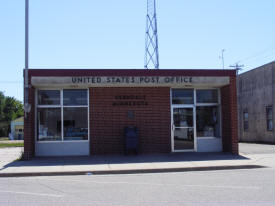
2, 103
3, 125
10, 109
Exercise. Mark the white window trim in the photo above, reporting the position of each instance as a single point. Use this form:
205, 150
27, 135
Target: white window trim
218, 104
194, 106
175, 106
61, 107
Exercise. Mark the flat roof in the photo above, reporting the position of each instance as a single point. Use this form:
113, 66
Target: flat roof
131, 72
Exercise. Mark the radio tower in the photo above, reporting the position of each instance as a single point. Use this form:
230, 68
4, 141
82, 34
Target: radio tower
151, 38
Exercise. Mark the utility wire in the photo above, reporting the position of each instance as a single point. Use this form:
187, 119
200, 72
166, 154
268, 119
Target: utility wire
11, 82
257, 54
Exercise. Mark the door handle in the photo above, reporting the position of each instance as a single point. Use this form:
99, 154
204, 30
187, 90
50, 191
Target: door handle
173, 126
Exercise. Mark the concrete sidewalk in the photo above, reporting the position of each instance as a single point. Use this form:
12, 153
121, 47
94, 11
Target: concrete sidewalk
8, 155
119, 164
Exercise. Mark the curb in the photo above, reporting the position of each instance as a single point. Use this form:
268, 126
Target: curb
134, 171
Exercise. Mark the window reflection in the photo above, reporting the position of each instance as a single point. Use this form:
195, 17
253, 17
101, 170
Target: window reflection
75, 97
183, 138
183, 128
49, 97
49, 124
182, 96
75, 123
207, 96
183, 117
245, 120
208, 122
269, 118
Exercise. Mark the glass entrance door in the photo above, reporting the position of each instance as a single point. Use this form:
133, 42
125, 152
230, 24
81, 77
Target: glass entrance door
183, 129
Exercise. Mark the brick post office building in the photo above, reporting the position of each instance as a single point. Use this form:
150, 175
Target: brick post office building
84, 112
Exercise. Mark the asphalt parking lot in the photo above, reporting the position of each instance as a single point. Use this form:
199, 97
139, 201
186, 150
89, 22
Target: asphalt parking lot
252, 148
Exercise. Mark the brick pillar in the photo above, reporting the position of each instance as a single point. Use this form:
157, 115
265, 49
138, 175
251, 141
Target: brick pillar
29, 127
230, 117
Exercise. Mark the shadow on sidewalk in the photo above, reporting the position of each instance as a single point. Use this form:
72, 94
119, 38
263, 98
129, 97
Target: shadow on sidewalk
121, 159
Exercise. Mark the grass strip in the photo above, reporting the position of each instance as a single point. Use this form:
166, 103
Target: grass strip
4, 145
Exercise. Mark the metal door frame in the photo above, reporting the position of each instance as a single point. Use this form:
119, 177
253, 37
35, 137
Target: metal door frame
194, 127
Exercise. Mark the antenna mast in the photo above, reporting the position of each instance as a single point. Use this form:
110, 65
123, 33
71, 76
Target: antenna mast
222, 57
151, 59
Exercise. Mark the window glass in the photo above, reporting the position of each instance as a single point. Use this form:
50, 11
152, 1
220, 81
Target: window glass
49, 97
207, 120
49, 124
269, 118
183, 117
207, 96
182, 96
245, 121
269, 125
183, 138
75, 97
75, 123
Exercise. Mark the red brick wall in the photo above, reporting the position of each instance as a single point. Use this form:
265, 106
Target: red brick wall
230, 117
153, 121
29, 127
107, 121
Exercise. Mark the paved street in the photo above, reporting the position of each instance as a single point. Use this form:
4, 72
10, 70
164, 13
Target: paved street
220, 187
231, 187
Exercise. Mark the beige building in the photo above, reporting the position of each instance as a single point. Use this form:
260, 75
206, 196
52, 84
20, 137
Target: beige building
17, 128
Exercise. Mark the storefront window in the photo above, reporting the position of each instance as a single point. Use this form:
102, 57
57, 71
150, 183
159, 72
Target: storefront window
207, 113
74, 109
208, 121
207, 96
201, 106
49, 124
182, 96
75, 126
49, 97
75, 97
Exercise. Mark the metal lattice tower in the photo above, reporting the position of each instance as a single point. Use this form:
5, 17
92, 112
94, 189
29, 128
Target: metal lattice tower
151, 39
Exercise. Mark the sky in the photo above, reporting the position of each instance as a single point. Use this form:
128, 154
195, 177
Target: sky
110, 34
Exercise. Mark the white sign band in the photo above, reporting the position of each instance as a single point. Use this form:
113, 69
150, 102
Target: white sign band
128, 81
